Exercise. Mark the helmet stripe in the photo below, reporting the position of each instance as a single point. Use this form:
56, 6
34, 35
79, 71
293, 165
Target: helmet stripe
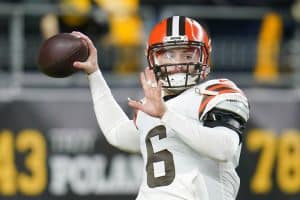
181, 25
169, 26
175, 26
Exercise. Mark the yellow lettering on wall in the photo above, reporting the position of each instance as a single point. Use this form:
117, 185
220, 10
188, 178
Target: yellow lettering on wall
288, 168
7, 164
35, 182
265, 141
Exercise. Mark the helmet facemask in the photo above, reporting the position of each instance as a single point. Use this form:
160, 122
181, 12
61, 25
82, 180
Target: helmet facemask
178, 65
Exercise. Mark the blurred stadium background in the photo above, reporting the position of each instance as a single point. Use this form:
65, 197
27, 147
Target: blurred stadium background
50, 144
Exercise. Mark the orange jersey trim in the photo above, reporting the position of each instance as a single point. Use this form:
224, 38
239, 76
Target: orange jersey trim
221, 88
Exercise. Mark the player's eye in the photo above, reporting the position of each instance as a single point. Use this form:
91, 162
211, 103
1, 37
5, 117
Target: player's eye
188, 56
169, 55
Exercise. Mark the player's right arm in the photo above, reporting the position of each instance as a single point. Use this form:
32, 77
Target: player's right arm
117, 128
114, 123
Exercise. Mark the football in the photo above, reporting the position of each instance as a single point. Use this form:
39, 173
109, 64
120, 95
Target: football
58, 53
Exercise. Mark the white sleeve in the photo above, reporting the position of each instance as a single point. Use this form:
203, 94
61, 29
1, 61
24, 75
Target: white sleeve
117, 128
218, 143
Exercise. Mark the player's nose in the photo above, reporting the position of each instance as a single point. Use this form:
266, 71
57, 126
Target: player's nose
176, 69
179, 68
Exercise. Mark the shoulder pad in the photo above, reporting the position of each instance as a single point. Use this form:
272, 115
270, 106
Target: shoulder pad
223, 94
235, 106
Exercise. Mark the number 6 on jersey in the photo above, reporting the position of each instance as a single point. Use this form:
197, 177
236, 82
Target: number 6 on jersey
160, 156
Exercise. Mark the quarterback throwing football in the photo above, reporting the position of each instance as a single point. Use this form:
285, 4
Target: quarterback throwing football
188, 130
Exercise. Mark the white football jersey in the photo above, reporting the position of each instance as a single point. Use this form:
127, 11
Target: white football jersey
173, 170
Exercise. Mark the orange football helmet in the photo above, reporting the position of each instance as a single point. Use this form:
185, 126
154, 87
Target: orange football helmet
179, 32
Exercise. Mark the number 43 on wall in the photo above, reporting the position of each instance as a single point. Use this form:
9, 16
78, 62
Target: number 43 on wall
12, 181
283, 148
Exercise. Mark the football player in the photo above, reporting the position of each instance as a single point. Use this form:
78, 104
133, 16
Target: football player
189, 131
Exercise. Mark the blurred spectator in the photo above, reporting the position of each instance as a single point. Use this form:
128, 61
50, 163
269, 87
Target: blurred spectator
75, 15
126, 33
121, 29
86, 16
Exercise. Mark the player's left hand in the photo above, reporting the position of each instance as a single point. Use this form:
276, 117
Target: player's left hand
153, 103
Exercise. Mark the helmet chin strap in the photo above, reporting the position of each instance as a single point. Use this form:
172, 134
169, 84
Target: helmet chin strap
167, 92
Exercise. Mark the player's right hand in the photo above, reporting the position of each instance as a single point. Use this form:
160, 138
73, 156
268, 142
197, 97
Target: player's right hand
91, 64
